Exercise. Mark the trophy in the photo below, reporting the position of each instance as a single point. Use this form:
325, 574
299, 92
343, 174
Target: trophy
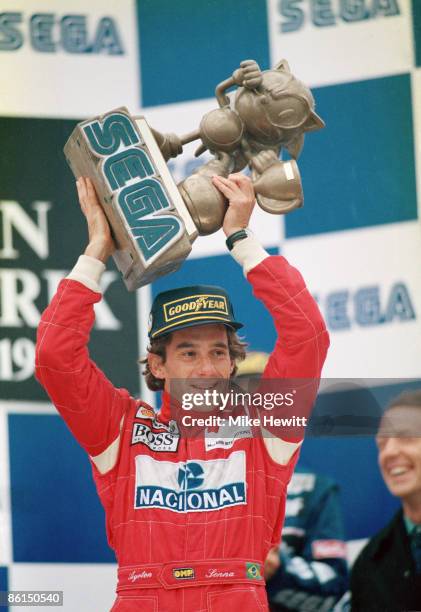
154, 221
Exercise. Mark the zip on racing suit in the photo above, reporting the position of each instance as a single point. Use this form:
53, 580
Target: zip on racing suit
190, 519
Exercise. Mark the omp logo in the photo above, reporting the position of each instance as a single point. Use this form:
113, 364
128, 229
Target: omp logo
367, 306
144, 200
322, 13
195, 486
50, 33
183, 573
209, 304
190, 477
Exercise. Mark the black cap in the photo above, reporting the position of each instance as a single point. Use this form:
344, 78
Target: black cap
190, 306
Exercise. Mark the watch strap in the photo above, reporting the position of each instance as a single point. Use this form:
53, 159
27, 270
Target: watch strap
235, 237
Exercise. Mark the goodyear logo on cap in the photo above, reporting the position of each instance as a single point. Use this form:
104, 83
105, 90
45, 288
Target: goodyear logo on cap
202, 304
183, 573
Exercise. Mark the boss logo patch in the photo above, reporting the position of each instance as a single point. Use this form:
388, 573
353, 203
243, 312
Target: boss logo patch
158, 441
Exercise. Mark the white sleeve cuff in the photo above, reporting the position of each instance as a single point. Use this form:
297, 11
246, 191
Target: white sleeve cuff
88, 271
248, 253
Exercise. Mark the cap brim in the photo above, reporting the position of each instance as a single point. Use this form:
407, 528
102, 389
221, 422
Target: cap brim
234, 325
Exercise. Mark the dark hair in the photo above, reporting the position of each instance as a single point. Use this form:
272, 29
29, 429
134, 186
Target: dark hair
236, 347
406, 398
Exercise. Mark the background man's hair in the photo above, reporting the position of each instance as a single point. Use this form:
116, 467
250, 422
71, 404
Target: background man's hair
406, 398
236, 347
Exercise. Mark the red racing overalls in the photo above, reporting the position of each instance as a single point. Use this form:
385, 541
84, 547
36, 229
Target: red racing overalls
190, 520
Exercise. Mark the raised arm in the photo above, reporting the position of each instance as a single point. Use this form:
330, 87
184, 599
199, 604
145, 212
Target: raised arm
302, 339
92, 408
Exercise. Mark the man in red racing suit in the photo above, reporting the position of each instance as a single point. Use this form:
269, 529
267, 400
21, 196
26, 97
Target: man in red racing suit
191, 519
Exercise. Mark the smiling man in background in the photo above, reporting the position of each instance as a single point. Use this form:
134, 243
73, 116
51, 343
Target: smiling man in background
386, 577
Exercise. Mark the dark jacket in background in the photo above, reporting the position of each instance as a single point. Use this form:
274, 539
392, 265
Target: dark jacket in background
313, 574
383, 577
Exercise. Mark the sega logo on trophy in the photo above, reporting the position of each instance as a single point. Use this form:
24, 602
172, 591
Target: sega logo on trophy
50, 33
151, 224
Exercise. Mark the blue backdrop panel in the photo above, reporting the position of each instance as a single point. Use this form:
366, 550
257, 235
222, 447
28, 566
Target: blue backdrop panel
187, 48
224, 271
366, 503
350, 419
3, 585
56, 514
360, 170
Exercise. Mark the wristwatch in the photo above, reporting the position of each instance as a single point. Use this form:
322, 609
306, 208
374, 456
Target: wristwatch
236, 236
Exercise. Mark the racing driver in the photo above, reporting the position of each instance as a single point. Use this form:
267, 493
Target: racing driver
191, 519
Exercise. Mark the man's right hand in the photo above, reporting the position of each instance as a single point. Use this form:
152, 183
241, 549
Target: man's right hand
101, 244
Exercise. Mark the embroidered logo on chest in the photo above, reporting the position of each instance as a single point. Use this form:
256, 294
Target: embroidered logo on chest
165, 440
191, 486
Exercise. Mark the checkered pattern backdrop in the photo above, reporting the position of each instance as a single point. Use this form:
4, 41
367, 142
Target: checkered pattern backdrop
357, 240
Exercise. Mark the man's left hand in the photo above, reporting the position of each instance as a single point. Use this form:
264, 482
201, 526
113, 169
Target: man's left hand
239, 190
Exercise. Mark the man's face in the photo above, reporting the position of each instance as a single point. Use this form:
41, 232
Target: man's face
399, 445
195, 354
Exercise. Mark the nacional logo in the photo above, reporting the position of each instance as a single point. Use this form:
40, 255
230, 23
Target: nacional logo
50, 33
324, 13
192, 486
128, 168
203, 304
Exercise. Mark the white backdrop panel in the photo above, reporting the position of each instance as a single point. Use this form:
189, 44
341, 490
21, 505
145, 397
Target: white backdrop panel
62, 84
350, 261
337, 50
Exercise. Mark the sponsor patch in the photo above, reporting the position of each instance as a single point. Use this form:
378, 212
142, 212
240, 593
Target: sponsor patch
171, 426
328, 549
145, 413
231, 435
253, 571
158, 441
183, 573
195, 304
191, 486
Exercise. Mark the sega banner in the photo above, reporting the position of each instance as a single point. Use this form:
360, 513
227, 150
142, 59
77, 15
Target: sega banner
68, 59
356, 241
